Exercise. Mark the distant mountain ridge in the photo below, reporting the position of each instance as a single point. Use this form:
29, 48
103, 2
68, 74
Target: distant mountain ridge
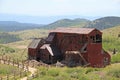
67, 23
6, 27
104, 23
16, 26
101, 23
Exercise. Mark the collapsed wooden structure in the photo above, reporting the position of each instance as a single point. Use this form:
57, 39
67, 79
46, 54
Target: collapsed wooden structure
78, 46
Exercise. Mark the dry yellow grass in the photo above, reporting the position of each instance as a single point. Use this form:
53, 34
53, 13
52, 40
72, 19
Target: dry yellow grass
28, 34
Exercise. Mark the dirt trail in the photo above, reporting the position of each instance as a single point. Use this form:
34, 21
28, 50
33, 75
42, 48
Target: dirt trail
32, 70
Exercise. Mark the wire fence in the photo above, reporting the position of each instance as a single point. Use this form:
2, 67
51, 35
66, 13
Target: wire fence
16, 74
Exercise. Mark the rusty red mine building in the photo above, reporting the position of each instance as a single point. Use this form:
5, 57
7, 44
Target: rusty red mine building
70, 46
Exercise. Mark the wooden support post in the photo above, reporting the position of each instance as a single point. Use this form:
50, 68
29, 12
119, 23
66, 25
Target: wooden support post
14, 75
7, 76
20, 74
9, 60
13, 62
23, 64
17, 63
6, 58
0, 60
2, 57
4, 61
27, 68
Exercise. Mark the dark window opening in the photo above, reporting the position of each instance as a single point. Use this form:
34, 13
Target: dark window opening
85, 49
92, 38
98, 38
70, 42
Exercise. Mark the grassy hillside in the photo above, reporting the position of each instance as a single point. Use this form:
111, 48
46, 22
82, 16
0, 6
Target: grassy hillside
104, 23
6, 49
111, 42
7, 38
30, 34
111, 38
19, 49
67, 23
22, 35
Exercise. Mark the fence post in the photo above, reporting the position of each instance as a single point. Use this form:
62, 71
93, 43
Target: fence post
22, 64
2, 57
3, 61
13, 62
0, 60
7, 76
9, 61
14, 75
17, 63
6, 59
27, 67
20, 74
1, 78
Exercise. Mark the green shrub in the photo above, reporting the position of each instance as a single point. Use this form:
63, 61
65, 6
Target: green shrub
115, 58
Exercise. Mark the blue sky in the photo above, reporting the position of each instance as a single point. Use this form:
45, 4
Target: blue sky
61, 7
48, 11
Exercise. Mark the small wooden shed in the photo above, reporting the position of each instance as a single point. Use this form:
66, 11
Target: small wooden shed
33, 49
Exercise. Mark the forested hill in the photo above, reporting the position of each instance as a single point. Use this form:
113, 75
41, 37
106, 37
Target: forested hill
104, 23
7, 38
16, 26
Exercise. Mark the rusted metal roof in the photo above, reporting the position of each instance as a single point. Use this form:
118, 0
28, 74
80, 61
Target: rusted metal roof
50, 37
74, 30
34, 43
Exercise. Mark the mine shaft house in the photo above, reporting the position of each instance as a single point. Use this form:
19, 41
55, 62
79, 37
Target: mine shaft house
78, 46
